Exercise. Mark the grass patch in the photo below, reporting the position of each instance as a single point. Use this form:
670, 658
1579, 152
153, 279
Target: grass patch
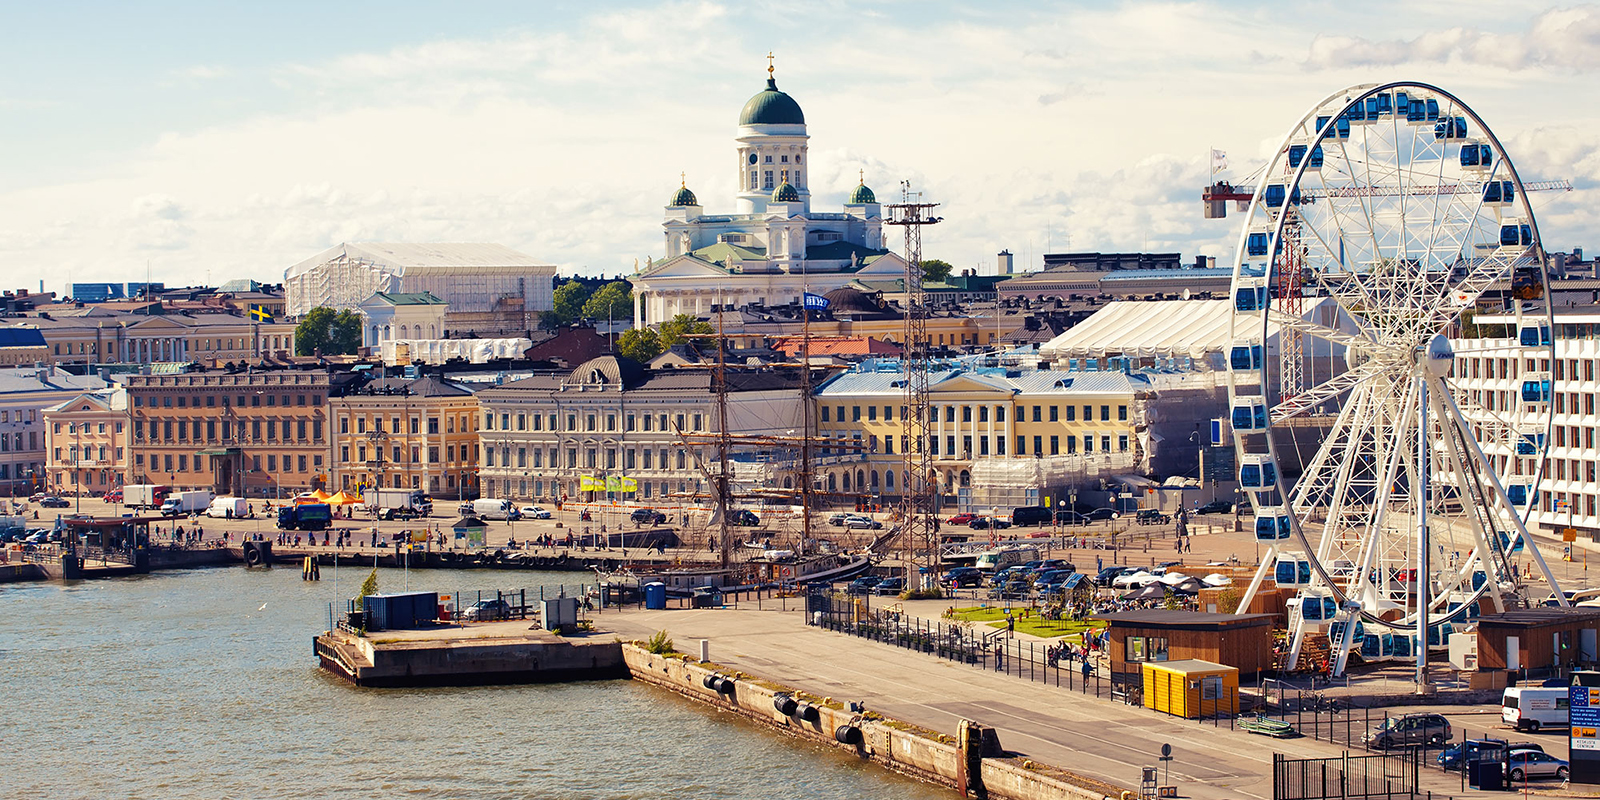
1033, 624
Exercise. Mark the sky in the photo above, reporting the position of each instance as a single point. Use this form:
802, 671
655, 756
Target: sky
202, 142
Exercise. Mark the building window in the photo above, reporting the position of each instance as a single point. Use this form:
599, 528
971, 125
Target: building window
1122, 414
1072, 413
766, 177
1038, 445
1105, 413
1054, 415
966, 413
825, 414
1036, 414
1022, 445
1055, 443
1145, 648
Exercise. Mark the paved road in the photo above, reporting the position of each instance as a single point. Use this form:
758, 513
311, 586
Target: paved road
1098, 737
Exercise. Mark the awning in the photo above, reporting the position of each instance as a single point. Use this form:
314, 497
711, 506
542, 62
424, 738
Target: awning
220, 451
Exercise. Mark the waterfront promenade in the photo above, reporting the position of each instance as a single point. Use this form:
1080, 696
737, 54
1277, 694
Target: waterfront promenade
1099, 738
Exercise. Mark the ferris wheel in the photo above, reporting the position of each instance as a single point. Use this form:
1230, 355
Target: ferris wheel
1391, 492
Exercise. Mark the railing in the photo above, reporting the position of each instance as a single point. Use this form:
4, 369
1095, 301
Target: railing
1359, 777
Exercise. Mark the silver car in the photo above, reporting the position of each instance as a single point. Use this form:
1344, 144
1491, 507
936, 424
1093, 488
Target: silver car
1527, 764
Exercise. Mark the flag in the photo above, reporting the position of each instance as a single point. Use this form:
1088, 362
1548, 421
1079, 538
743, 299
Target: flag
1219, 161
630, 485
613, 483
587, 483
259, 313
817, 301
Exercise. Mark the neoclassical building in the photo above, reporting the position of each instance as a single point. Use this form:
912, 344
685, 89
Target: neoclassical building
774, 247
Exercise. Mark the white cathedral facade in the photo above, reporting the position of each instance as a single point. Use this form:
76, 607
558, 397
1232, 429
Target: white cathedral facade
774, 247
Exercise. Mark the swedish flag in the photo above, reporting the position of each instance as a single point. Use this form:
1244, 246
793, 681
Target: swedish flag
259, 313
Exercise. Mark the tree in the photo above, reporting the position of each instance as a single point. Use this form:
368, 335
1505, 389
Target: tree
682, 328
613, 301
935, 271
368, 586
333, 333
639, 344
569, 300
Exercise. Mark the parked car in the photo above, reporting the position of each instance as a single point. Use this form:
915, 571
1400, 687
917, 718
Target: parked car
963, 577
399, 513
986, 523
1057, 563
1030, 515
890, 586
745, 517
484, 610
1102, 514
113, 496
1216, 507
1527, 764
648, 516
54, 502
1456, 756
1065, 517
961, 519
867, 523
863, 584
838, 520
1409, 730
535, 512
1105, 576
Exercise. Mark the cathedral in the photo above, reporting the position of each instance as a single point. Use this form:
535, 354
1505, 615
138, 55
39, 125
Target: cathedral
773, 248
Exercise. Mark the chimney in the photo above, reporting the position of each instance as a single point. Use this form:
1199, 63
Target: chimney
1003, 262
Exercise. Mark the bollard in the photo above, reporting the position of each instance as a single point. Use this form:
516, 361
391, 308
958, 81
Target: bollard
705, 650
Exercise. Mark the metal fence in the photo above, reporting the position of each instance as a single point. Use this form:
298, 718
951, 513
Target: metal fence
1348, 777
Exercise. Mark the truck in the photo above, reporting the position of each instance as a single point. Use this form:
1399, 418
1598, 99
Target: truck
491, 509
384, 502
229, 508
191, 502
993, 561
143, 495
305, 517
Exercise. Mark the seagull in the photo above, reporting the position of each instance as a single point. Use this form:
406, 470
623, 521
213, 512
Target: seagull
263, 607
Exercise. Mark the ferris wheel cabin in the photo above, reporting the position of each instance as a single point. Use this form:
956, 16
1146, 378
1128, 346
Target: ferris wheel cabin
1536, 388
1245, 357
1257, 473
1516, 233
1272, 525
1315, 605
1251, 297
1341, 127
1450, 128
1299, 152
1249, 414
1476, 157
1499, 193
1533, 335
1422, 112
1277, 193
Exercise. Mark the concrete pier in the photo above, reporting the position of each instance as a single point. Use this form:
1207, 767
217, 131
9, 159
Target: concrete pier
475, 654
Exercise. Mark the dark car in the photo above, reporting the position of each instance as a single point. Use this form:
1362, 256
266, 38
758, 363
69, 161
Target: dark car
1109, 574
863, 584
54, 502
1030, 515
648, 516
1216, 507
1065, 517
890, 586
964, 577
1456, 756
1102, 514
985, 523
399, 513
745, 517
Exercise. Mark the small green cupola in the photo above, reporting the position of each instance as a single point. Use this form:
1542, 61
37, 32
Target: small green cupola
785, 193
862, 195
683, 197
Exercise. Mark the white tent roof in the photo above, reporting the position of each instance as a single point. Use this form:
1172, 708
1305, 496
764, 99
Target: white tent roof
1147, 328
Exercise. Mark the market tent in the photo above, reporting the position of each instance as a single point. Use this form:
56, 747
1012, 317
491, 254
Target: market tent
321, 495
342, 499
1151, 591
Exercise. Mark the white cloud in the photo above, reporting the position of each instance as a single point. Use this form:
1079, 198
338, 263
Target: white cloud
1559, 38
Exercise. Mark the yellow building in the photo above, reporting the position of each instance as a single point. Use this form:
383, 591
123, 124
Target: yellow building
86, 443
101, 336
406, 434
1033, 431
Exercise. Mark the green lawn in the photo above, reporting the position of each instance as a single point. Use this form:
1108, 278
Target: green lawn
995, 617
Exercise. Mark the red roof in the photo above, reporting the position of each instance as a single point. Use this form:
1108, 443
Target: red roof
837, 346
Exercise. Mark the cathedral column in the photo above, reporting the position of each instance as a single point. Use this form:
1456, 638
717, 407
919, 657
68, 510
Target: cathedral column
638, 309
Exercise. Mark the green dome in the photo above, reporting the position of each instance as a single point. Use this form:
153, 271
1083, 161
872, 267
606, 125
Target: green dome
772, 107
684, 197
862, 195
785, 193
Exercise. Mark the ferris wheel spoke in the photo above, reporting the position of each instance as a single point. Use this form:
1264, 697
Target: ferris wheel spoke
1310, 399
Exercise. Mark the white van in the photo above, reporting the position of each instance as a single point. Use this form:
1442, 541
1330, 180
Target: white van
228, 508
1531, 708
495, 509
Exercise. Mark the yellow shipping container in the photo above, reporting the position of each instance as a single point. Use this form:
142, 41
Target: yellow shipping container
1191, 688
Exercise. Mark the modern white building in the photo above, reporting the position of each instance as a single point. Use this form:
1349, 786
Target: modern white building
474, 279
1490, 383
774, 247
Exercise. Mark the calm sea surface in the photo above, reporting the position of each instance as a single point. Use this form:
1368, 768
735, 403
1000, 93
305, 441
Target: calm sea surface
180, 685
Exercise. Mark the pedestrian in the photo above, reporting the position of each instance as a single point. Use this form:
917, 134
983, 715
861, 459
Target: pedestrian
1088, 668
1011, 624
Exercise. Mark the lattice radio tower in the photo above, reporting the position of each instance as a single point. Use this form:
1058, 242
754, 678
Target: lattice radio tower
919, 522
